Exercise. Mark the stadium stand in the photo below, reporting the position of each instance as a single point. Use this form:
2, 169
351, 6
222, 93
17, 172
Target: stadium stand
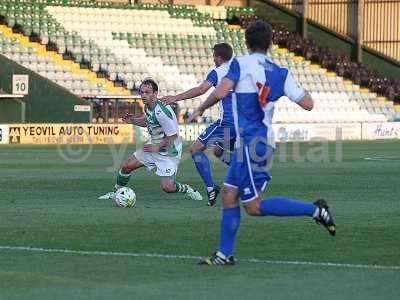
339, 64
48, 65
65, 42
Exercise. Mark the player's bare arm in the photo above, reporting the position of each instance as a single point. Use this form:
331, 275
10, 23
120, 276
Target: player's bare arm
166, 142
306, 102
138, 121
220, 92
189, 94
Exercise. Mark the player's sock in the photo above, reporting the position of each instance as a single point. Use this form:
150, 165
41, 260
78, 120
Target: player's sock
202, 164
229, 227
284, 207
181, 187
122, 179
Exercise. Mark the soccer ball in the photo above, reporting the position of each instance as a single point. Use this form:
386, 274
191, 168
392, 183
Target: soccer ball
125, 197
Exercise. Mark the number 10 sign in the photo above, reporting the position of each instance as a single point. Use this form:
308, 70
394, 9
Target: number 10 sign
20, 84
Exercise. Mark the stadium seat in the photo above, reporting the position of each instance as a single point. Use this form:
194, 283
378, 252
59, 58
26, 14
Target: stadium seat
171, 44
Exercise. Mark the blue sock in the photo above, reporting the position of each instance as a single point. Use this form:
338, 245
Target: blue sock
229, 227
203, 167
284, 207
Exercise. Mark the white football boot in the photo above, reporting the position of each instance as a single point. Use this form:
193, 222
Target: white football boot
193, 194
108, 196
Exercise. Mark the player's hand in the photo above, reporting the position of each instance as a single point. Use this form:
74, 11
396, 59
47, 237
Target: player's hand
127, 118
169, 99
197, 113
150, 148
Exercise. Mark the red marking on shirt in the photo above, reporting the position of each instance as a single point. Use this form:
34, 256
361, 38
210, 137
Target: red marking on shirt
263, 92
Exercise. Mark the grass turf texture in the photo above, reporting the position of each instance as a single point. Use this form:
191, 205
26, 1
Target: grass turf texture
50, 203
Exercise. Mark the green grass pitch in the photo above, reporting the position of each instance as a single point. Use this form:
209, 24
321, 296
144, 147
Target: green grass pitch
47, 202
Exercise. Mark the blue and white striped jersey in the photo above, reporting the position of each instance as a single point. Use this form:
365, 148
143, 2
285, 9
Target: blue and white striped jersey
225, 105
259, 83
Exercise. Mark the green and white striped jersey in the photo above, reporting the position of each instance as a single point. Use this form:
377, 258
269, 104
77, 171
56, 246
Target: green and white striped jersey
161, 122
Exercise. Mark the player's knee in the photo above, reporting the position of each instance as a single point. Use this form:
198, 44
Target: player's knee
193, 150
126, 168
168, 186
218, 152
196, 147
253, 208
229, 198
224, 193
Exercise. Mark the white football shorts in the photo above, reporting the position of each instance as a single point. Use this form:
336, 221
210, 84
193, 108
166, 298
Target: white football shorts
165, 165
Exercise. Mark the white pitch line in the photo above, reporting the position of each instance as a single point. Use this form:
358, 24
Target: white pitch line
171, 256
382, 158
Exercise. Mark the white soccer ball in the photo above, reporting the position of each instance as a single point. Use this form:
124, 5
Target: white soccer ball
125, 197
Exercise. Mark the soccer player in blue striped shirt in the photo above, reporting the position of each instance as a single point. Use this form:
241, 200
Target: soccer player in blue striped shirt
257, 84
221, 134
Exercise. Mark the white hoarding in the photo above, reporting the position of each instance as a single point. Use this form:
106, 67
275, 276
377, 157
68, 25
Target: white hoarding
375, 131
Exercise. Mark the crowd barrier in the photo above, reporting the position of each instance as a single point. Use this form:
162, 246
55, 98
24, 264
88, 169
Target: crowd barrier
46, 134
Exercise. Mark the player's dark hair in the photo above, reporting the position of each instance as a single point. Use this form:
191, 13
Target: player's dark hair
258, 36
223, 50
151, 82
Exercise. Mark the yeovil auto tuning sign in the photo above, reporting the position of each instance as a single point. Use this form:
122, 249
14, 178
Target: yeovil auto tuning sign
70, 134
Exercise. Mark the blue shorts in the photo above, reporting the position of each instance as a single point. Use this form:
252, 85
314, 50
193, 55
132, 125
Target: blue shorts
248, 170
219, 133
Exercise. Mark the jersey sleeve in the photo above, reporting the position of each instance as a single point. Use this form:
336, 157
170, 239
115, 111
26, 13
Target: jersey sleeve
234, 71
212, 78
292, 89
166, 120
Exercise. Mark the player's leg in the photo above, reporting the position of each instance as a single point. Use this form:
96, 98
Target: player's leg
230, 221
279, 206
168, 184
124, 174
224, 155
167, 168
254, 180
130, 164
171, 185
218, 150
285, 207
224, 148
202, 163
212, 134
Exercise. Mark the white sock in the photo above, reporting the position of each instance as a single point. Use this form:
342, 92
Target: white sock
116, 186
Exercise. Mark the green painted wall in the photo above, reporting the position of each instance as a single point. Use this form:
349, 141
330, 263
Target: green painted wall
10, 111
337, 44
384, 66
46, 102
